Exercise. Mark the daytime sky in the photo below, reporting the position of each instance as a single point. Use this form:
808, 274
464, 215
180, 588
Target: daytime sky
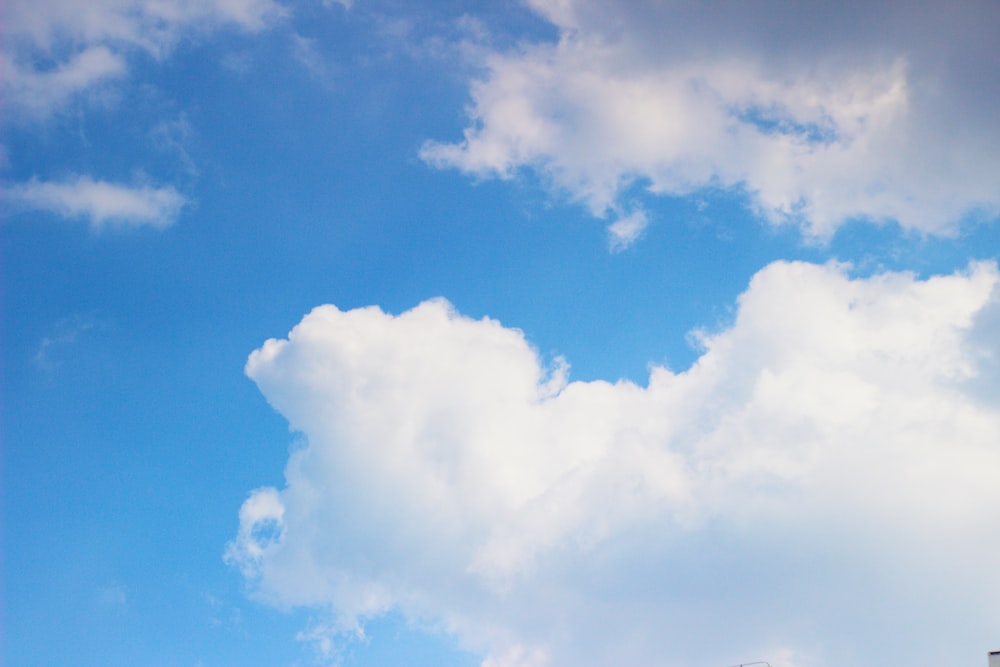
524, 333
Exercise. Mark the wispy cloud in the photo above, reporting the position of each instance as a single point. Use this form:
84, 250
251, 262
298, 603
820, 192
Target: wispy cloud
113, 596
818, 124
101, 203
308, 54
66, 333
626, 230
40, 92
823, 456
56, 49
174, 137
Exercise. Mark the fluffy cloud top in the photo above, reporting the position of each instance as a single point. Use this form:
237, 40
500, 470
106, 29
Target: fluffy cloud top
100, 202
819, 488
823, 112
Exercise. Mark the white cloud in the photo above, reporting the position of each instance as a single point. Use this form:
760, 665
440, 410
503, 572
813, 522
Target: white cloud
829, 112
100, 202
817, 489
56, 49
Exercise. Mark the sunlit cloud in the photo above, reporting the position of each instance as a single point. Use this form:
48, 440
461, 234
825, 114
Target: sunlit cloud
827, 453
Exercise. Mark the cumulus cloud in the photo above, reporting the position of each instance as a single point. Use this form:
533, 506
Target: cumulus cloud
100, 202
56, 49
817, 489
821, 112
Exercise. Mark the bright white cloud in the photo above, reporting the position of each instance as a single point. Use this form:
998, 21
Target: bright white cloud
56, 49
819, 488
823, 112
100, 202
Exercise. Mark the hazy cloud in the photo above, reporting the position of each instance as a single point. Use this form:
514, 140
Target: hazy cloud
308, 54
626, 230
66, 333
113, 596
55, 49
41, 92
174, 137
819, 479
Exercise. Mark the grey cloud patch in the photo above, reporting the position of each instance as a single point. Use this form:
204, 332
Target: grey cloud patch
821, 112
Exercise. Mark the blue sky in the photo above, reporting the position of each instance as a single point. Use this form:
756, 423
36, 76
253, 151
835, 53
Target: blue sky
512, 334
